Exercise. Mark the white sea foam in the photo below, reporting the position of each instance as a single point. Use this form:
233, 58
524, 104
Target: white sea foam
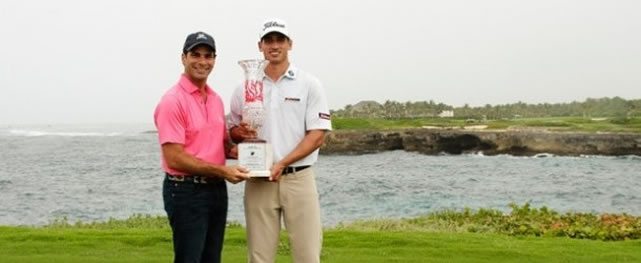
36, 133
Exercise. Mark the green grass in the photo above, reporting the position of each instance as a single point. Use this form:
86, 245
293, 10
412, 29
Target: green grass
383, 124
444, 236
570, 124
154, 245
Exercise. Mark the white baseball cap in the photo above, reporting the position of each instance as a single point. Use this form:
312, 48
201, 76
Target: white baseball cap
274, 25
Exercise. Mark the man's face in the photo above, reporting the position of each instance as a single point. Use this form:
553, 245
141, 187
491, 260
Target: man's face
199, 62
275, 47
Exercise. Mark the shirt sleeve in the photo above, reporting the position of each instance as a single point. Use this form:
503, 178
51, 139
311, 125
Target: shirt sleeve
317, 115
170, 121
236, 106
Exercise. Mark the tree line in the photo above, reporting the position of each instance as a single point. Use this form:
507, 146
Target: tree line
615, 107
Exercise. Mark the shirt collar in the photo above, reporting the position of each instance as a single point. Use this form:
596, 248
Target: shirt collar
291, 73
189, 87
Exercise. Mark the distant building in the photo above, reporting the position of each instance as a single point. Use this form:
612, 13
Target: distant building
446, 114
366, 108
367, 105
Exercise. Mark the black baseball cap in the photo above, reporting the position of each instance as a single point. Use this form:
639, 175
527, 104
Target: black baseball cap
198, 38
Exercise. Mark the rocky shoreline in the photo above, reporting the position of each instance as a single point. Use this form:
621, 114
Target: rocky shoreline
525, 142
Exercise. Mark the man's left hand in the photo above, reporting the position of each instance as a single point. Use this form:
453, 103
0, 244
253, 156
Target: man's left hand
277, 171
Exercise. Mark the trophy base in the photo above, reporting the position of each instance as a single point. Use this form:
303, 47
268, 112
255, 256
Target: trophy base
253, 174
254, 140
256, 155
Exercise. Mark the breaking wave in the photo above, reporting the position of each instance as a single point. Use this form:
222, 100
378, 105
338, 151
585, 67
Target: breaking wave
36, 133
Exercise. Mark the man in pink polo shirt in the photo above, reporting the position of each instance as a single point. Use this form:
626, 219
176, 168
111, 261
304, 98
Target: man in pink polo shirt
190, 119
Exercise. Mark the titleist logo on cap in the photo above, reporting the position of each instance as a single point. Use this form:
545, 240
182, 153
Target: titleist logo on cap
272, 24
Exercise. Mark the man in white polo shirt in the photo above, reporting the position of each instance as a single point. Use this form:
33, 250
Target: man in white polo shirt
296, 119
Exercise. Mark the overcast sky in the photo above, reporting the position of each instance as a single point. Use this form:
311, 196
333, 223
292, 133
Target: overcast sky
84, 61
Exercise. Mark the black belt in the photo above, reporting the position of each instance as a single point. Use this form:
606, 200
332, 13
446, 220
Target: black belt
293, 169
192, 179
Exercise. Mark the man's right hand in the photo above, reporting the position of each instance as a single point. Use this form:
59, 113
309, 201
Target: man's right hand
242, 132
236, 174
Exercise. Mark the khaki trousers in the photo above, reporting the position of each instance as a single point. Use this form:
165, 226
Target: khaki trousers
295, 199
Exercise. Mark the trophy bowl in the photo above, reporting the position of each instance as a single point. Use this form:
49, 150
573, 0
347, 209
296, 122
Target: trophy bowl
254, 154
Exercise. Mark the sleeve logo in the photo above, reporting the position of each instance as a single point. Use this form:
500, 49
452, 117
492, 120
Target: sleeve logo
324, 116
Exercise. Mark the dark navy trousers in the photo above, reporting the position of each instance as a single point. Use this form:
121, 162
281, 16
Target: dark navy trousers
197, 214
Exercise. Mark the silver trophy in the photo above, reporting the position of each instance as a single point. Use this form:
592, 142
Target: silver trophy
254, 154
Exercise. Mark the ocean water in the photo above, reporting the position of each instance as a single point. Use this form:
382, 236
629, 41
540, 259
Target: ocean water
97, 172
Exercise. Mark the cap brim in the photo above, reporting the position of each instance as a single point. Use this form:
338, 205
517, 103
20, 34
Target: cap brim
200, 43
284, 33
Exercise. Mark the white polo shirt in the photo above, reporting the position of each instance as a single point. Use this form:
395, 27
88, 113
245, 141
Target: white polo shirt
294, 104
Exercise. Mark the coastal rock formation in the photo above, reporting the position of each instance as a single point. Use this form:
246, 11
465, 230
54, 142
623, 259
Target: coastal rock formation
514, 142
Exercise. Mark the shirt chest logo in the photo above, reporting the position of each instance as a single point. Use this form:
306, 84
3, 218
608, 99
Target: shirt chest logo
292, 99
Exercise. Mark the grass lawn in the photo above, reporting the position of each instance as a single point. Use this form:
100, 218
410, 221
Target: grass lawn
570, 124
153, 244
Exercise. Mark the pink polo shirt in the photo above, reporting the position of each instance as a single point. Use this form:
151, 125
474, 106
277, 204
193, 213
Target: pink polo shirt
183, 116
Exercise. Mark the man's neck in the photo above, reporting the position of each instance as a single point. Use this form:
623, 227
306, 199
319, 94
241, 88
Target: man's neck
200, 84
274, 71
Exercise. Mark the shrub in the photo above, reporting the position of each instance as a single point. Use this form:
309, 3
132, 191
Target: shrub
523, 220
